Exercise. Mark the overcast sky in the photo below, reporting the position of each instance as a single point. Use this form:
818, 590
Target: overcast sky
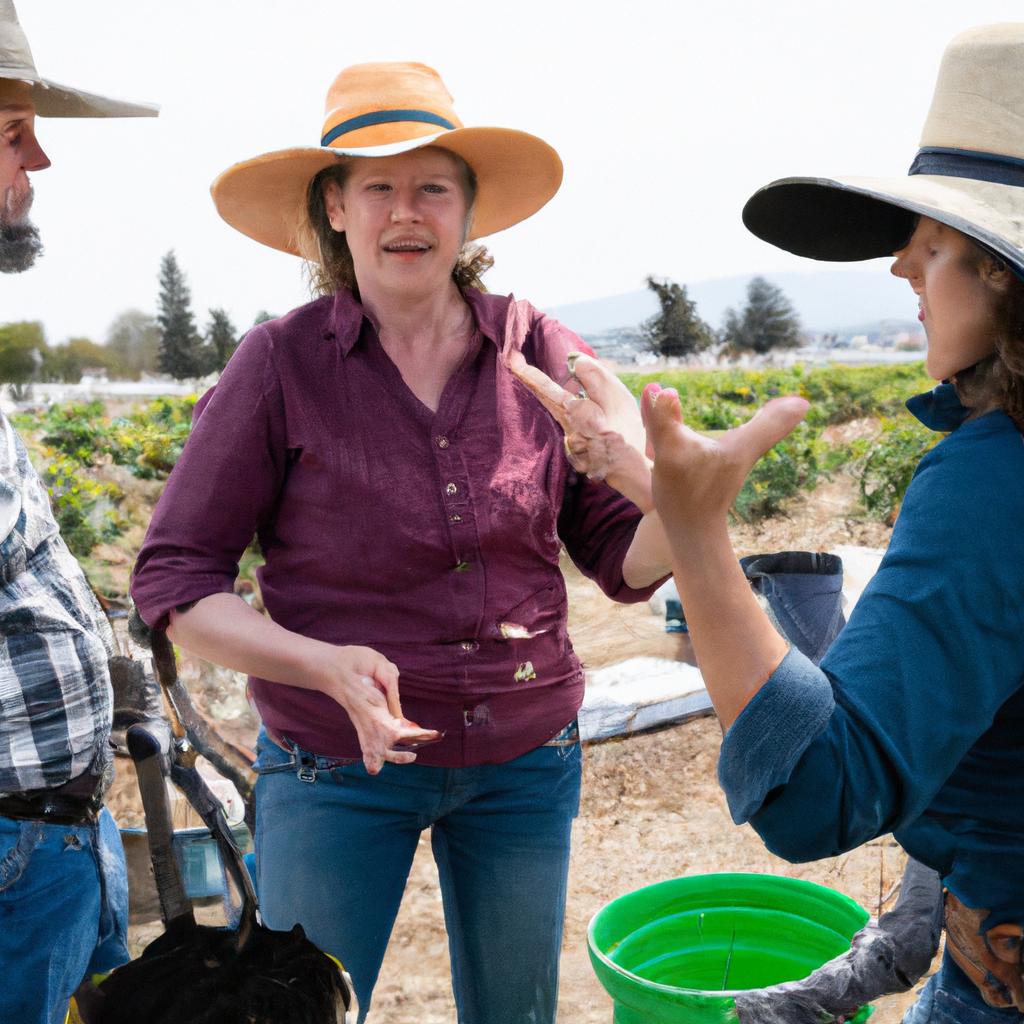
667, 116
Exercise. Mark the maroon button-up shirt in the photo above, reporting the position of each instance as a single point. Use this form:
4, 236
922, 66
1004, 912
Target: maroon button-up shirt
431, 537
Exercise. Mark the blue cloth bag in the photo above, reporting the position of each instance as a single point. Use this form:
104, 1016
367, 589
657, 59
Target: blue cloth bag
802, 592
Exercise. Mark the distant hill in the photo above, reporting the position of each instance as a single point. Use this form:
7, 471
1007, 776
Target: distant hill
825, 300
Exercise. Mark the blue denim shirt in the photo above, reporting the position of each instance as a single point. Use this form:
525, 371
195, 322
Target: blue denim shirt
914, 722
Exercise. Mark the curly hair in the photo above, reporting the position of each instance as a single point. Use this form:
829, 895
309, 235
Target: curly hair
333, 269
997, 381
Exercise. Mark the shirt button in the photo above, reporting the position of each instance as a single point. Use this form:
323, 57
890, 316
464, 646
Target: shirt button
469, 645
451, 489
442, 441
455, 518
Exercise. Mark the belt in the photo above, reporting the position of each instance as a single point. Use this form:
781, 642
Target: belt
77, 802
992, 959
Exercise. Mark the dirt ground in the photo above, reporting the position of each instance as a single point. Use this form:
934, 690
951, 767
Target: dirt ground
651, 807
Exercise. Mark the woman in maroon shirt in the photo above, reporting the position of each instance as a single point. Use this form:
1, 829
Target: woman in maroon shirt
411, 499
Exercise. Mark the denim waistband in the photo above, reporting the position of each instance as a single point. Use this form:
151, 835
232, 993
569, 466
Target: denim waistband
284, 755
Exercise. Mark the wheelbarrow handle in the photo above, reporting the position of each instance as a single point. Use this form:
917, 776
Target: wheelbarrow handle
148, 743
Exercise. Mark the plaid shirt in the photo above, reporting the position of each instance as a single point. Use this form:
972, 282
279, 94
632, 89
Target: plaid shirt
55, 696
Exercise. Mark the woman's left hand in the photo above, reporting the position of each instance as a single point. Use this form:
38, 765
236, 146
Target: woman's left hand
604, 434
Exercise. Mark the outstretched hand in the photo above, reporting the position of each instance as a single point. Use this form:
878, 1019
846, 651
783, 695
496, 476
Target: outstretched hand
696, 479
604, 434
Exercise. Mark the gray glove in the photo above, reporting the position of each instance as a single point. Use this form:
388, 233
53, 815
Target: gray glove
888, 955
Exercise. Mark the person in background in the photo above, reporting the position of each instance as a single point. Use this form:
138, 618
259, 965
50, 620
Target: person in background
63, 886
914, 721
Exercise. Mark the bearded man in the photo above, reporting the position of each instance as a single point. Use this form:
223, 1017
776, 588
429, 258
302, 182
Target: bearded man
63, 885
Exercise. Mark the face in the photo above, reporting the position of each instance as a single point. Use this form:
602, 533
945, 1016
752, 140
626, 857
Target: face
404, 218
957, 293
20, 153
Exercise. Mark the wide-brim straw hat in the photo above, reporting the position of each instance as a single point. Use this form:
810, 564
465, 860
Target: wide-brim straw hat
382, 109
968, 173
49, 98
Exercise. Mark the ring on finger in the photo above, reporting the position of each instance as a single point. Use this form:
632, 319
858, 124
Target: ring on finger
571, 452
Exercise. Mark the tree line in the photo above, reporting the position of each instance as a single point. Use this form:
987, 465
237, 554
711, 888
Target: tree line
766, 321
137, 343
171, 343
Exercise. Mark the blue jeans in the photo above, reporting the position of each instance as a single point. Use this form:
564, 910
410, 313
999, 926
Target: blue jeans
950, 997
63, 913
333, 853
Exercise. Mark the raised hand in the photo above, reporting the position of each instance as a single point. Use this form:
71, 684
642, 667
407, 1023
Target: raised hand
604, 434
696, 478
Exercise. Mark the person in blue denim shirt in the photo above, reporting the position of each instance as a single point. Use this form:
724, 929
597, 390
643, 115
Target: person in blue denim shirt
63, 883
914, 721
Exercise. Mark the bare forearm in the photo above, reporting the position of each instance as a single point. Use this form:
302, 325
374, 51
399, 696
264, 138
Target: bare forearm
736, 646
649, 556
224, 630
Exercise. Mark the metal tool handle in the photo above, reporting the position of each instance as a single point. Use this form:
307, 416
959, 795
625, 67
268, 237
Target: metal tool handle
148, 743
230, 761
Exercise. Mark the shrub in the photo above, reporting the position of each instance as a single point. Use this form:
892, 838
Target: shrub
885, 472
85, 509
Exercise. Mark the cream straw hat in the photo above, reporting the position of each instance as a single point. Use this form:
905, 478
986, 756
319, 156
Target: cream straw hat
968, 173
49, 98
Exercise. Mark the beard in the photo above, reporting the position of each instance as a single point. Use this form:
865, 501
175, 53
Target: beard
20, 244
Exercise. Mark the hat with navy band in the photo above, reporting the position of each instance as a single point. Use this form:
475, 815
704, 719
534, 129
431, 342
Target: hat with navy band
382, 109
968, 172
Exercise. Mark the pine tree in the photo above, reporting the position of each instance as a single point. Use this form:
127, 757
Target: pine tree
677, 330
768, 321
180, 354
221, 340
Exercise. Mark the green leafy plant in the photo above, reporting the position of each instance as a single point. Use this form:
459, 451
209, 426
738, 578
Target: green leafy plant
886, 470
793, 465
85, 509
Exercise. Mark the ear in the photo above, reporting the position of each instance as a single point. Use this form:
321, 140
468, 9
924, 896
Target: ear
334, 204
995, 272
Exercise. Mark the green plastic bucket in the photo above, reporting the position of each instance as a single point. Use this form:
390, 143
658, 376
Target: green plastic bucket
679, 951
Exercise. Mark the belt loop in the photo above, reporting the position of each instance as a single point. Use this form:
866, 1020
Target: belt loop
307, 765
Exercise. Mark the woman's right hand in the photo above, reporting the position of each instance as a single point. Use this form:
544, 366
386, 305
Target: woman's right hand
365, 684
223, 629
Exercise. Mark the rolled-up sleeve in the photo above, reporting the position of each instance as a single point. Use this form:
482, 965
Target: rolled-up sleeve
597, 526
769, 737
822, 760
222, 489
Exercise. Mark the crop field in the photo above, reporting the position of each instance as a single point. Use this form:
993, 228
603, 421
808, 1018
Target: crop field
104, 466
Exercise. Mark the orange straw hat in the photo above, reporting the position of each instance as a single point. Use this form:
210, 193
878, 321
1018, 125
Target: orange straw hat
382, 109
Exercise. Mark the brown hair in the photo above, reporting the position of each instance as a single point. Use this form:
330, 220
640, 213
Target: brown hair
997, 381
333, 268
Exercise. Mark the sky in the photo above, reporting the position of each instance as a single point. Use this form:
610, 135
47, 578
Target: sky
667, 116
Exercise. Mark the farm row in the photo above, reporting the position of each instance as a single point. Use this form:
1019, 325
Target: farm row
76, 445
